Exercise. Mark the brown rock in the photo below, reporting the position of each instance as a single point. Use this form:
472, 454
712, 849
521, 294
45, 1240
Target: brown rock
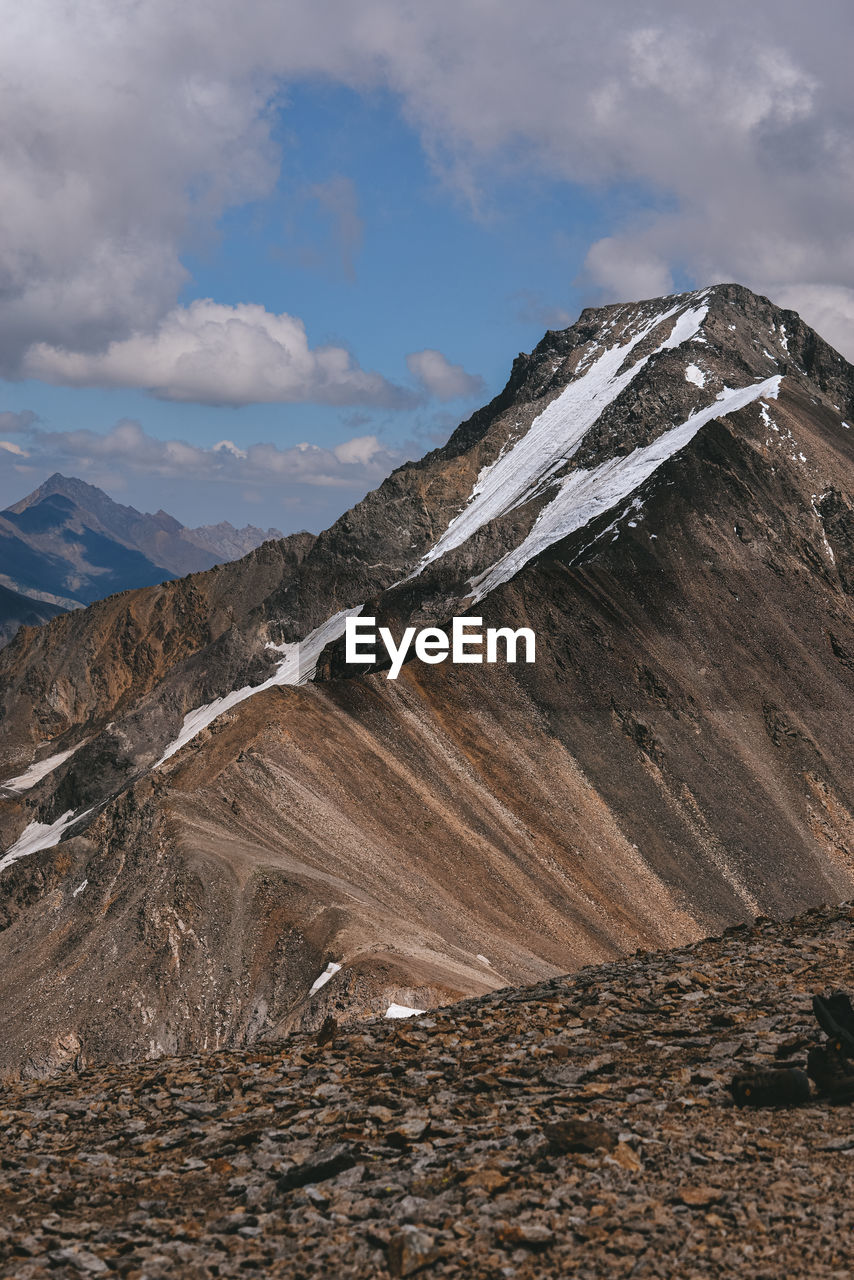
578, 1135
411, 1250
627, 1157
488, 1179
327, 1032
527, 1234
698, 1197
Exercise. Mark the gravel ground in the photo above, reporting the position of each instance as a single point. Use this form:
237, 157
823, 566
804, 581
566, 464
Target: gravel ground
580, 1127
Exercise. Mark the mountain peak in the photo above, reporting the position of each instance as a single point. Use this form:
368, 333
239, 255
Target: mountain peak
79, 491
662, 493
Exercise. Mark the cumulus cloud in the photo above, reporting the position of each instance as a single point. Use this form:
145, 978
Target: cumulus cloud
129, 129
442, 379
624, 268
9, 447
360, 451
828, 308
220, 355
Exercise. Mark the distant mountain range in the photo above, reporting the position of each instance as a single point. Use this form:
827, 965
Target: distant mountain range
68, 544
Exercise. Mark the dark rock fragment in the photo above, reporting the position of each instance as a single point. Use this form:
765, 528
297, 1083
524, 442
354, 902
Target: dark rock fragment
316, 1168
411, 1250
578, 1136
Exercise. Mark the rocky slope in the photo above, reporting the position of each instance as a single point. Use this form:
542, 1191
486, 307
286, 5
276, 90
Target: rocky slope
663, 492
582, 1126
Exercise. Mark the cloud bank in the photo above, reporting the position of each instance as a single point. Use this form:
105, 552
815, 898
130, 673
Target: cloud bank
129, 129
361, 462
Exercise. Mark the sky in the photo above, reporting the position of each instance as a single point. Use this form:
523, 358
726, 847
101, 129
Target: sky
253, 256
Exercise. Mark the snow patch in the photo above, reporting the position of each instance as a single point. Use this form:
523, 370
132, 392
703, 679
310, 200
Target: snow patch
297, 667
403, 1011
555, 434
331, 969
80, 888
39, 836
695, 374
37, 771
583, 495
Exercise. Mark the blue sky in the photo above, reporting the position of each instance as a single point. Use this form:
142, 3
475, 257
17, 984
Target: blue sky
425, 268
419, 206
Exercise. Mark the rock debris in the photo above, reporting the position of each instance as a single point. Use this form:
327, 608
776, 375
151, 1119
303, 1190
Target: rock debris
582, 1126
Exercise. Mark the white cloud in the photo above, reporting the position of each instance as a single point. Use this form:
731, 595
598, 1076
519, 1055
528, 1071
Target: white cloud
214, 354
829, 308
442, 379
623, 268
360, 450
128, 129
13, 448
228, 446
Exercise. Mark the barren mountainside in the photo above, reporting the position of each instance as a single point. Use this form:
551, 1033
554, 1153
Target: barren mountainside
205, 807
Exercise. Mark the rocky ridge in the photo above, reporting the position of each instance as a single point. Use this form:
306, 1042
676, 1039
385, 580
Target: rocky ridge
678, 758
579, 1126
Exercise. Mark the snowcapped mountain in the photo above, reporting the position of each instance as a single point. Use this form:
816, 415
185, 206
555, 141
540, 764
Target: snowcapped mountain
206, 810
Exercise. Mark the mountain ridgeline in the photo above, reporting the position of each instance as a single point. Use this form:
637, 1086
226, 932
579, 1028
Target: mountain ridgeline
67, 544
206, 808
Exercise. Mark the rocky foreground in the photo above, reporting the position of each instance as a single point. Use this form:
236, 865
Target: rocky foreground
578, 1127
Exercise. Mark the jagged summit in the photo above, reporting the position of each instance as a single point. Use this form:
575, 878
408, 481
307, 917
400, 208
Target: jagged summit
663, 491
79, 491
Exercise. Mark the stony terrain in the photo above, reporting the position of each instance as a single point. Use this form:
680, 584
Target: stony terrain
578, 1127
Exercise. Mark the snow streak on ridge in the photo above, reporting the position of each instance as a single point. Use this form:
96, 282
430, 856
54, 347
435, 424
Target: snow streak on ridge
584, 495
554, 436
40, 835
36, 772
298, 666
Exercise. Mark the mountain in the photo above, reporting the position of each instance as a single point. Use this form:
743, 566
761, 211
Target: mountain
207, 810
227, 543
21, 611
68, 544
